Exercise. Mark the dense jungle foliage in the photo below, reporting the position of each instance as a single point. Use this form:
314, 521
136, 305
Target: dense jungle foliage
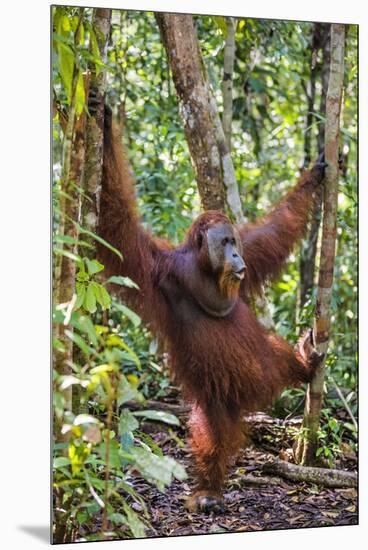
99, 442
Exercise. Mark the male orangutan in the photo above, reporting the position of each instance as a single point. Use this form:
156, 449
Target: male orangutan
196, 296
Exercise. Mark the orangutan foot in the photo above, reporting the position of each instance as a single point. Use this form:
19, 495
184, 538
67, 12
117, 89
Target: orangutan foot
205, 501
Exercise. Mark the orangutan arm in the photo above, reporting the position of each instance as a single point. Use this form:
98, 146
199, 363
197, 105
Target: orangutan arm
144, 257
268, 243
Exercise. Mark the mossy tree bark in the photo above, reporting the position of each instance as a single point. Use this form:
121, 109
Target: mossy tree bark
308, 442
72, 169
101, 24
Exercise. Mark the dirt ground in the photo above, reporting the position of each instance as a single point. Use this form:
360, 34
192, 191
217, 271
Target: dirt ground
249, 506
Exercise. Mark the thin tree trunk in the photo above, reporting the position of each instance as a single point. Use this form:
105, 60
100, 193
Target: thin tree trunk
309, 247
73, 153
181, 44
101, 23
202, 125
311, 94
227, 83
307, 446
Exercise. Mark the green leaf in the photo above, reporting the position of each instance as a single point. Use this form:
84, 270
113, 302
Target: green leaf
125, 391
102, 368
117, 341
132, 519
67, 254
221, 24
114, 455
101, 294
90, 299
66, 66
124, 281
84, 324
65, 23
127, 422
95, 50
79, 341
157, 469
127, 312
80, 99
60, 462
68, 239
178, 470
117, 519
58, 344
81, 294
94, 266
161, 416
100, 240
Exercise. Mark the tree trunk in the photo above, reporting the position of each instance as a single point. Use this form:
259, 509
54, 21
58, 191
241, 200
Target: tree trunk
309, 247
101, 22
202, 125
73, 157
227, 83
307, 445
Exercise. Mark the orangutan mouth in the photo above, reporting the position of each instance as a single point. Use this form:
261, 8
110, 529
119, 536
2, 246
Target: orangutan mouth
239, 274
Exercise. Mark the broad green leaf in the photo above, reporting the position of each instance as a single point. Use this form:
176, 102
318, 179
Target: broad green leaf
114, 447
90, 299
84, 324
106, 298
81, 294
158, 469
162, 416
101, 294
127, 422
94, 266
178, 470
151, 467
65, 23
126, 392
66, 67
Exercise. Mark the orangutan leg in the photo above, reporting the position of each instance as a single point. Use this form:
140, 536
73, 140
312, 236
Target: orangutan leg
214, 437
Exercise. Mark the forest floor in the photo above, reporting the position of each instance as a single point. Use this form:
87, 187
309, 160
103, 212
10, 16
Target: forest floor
282, 504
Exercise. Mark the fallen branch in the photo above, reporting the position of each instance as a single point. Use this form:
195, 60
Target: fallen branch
319, 476
261, 480
178, 410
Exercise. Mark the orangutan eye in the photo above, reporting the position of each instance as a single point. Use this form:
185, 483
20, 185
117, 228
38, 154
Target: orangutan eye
233, 241
224, 241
